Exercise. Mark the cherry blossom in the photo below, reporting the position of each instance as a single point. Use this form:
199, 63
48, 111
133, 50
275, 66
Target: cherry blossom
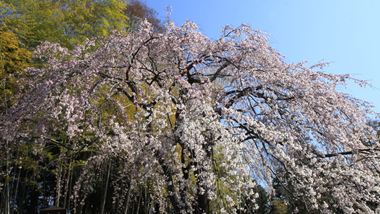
198, 122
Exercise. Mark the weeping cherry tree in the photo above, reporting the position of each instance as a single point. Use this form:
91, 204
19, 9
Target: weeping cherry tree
174, 122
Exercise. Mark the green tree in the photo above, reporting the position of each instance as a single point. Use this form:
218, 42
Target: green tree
13, 60
87, 18
66, 22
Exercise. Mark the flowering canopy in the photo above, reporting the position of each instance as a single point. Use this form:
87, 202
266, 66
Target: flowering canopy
197, 122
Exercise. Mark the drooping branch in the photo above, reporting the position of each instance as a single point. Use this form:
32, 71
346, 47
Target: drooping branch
352, 152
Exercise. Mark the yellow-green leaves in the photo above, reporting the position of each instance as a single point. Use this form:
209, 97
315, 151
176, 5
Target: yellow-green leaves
13, 60
66, 22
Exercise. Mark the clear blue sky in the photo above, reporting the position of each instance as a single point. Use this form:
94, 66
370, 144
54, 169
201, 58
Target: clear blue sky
343, 32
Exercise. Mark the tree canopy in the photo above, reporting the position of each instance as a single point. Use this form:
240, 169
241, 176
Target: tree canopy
174, 122
65, 22
13, 61
137, 11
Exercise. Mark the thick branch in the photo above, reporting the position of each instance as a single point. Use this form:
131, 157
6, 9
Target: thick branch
352, 152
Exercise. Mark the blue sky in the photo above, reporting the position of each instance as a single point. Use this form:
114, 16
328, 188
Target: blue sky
343, 32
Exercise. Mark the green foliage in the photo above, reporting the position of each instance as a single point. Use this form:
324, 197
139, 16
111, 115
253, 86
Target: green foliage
13, 60
86, 18
66, 22
279, 207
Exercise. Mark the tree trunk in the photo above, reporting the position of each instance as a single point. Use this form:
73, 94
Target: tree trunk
106, 188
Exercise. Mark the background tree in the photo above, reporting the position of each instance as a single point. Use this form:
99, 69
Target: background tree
13, 61
137, 11
65, 22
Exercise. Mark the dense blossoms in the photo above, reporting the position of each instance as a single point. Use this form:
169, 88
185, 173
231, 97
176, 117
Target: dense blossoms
194, 123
